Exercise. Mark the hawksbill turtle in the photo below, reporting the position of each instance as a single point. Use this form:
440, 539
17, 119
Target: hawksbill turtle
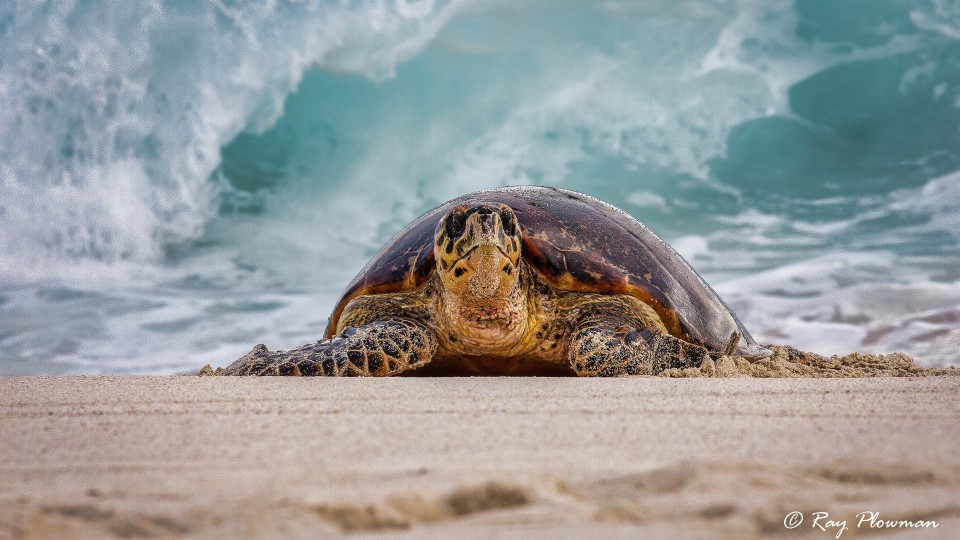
519, 281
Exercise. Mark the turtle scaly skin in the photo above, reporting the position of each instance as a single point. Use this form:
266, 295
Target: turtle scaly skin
504, 285
377, 349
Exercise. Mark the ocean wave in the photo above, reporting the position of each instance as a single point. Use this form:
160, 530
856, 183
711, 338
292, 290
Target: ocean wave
112, 116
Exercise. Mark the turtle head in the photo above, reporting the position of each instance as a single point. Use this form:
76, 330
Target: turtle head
477, 248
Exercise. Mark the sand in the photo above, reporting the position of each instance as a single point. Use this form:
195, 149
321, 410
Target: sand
216, 457
790, 362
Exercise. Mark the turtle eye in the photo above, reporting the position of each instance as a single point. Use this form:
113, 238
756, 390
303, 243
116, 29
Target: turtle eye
455, 226
509, 223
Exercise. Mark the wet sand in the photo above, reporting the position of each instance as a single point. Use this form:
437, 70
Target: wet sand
215, 457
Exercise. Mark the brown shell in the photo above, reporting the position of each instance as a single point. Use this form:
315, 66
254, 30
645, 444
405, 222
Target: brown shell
577, 243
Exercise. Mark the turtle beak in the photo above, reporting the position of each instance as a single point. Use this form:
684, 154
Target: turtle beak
486, 257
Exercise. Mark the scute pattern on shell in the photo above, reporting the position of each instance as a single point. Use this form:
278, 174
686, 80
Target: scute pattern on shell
577, 243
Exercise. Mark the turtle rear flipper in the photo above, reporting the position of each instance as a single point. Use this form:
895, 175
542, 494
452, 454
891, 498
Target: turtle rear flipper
380, 348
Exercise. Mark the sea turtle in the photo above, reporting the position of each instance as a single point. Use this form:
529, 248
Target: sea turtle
519, 280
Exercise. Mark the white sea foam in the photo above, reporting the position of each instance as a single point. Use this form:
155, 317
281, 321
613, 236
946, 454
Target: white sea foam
112, 116
846, 302
646, 199
942, 16
938, 202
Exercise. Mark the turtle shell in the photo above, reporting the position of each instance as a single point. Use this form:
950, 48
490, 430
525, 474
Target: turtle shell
576, 243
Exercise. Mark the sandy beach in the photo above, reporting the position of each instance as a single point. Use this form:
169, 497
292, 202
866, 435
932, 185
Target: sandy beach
213, 457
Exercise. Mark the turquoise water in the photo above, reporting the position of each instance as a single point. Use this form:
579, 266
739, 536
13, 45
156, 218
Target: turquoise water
180, 181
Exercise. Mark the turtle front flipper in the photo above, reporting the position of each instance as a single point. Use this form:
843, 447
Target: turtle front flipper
377, 349
610, 341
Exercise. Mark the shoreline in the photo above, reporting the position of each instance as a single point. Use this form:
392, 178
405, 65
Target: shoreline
204, 457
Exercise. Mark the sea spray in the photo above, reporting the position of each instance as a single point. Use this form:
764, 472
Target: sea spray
113, 115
